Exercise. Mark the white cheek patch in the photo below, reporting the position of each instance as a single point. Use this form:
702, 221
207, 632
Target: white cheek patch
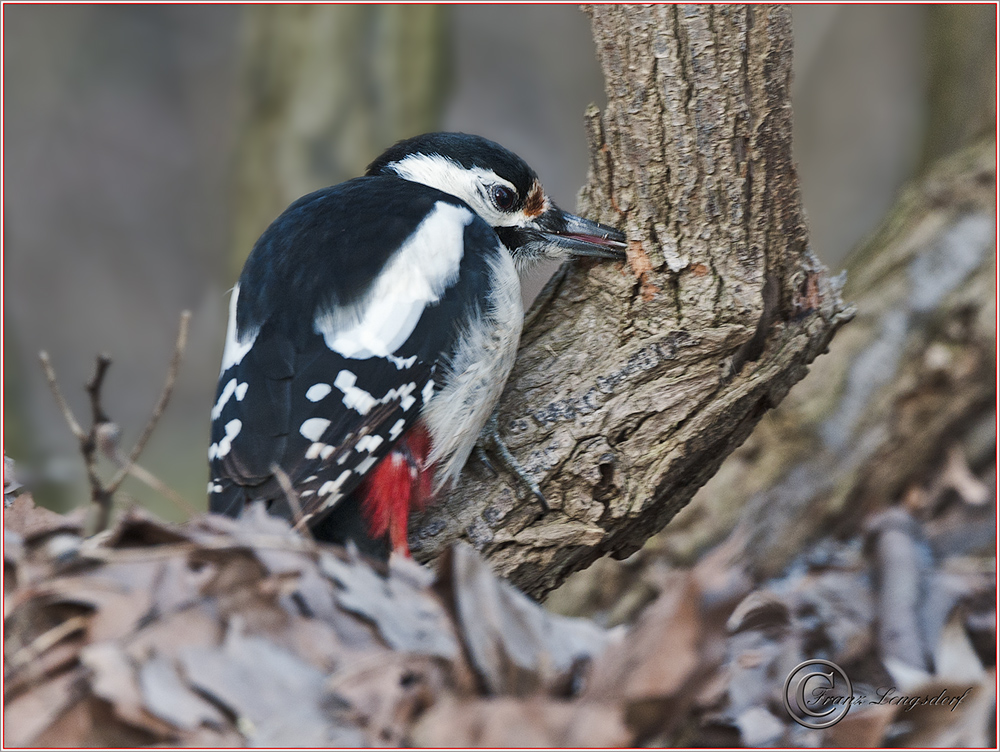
234, 351
470, 185
417, 275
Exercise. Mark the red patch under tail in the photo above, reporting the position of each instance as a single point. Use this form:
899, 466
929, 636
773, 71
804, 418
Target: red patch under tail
398, 483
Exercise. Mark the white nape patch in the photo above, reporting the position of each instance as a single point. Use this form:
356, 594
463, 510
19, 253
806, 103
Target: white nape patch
368, 443
416, 276
314, 449
365, 465
241, 391
332, 486
358, 399
313, 428
396, 429
428, 391
234, 351
317, 392
227, 392
470, 185
220, 450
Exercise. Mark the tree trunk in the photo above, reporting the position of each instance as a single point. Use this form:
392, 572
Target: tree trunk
634, 383
913, 375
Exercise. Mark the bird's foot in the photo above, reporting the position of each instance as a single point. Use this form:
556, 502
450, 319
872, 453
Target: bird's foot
491, 443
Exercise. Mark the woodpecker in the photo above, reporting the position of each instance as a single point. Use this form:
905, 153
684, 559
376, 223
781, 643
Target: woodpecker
372, 331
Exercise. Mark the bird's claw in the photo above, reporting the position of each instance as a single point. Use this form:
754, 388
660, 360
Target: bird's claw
490, 439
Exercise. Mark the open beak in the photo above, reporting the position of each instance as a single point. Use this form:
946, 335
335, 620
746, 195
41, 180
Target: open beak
576, 236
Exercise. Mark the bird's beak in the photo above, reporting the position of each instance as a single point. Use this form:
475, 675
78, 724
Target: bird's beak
576, 236
557, 235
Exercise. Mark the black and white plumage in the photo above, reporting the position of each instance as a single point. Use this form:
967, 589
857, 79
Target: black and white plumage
379, 309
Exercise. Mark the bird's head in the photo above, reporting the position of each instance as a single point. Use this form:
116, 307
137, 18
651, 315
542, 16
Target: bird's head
505, 192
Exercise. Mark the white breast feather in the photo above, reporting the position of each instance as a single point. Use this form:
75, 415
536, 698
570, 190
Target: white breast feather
474, 380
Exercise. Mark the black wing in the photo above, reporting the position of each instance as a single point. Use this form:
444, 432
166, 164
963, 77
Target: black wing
307, 382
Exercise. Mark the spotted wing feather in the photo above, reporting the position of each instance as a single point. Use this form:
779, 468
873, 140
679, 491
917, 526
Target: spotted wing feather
293, 397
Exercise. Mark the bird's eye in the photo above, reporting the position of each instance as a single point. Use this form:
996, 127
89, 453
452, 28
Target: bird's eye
503, 197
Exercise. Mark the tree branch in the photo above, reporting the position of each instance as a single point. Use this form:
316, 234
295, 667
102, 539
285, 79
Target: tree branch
633, 384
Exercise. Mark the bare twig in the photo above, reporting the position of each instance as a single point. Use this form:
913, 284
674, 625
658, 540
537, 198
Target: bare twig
168, 388
140, 473
104, 433
293, 499
94, 386
108, 439
50, 376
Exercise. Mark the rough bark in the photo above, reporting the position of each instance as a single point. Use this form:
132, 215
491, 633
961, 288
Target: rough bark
633, 383
911, 377
327, 88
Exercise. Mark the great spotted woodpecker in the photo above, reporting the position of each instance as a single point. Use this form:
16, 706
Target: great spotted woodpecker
372, 331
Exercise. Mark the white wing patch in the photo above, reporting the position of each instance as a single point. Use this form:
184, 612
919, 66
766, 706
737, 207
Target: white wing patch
356, 398
333, 486
317, 392
313, 428
220, 450
234, 351
368, 443
417, 275
227, 392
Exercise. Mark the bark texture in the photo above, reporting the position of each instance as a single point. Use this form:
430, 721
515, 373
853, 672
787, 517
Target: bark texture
911, 378
634, 382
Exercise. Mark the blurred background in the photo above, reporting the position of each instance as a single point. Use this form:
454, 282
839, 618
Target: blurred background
146, 147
